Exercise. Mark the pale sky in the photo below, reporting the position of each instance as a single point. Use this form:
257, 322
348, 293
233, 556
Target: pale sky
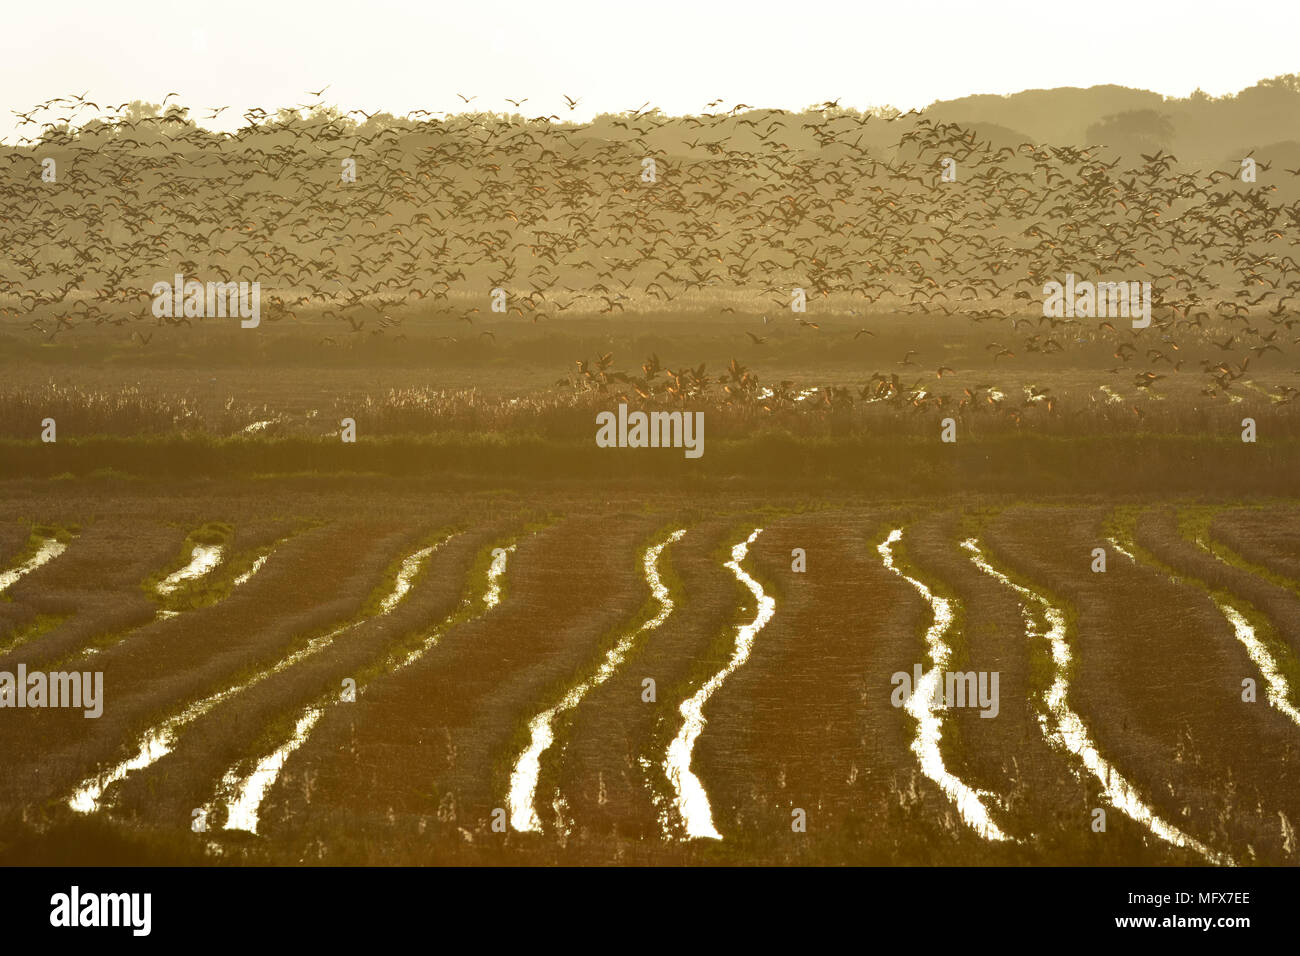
617, 54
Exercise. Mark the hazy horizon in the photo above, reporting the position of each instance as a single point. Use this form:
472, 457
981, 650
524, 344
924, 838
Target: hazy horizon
380, 57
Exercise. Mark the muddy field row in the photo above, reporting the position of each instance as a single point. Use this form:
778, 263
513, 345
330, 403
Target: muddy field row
400, 678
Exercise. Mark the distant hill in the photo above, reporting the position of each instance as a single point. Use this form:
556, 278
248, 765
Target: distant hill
1049, 116
1197, 129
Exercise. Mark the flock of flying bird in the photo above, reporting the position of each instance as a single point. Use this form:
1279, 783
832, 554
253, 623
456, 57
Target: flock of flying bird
639, 213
